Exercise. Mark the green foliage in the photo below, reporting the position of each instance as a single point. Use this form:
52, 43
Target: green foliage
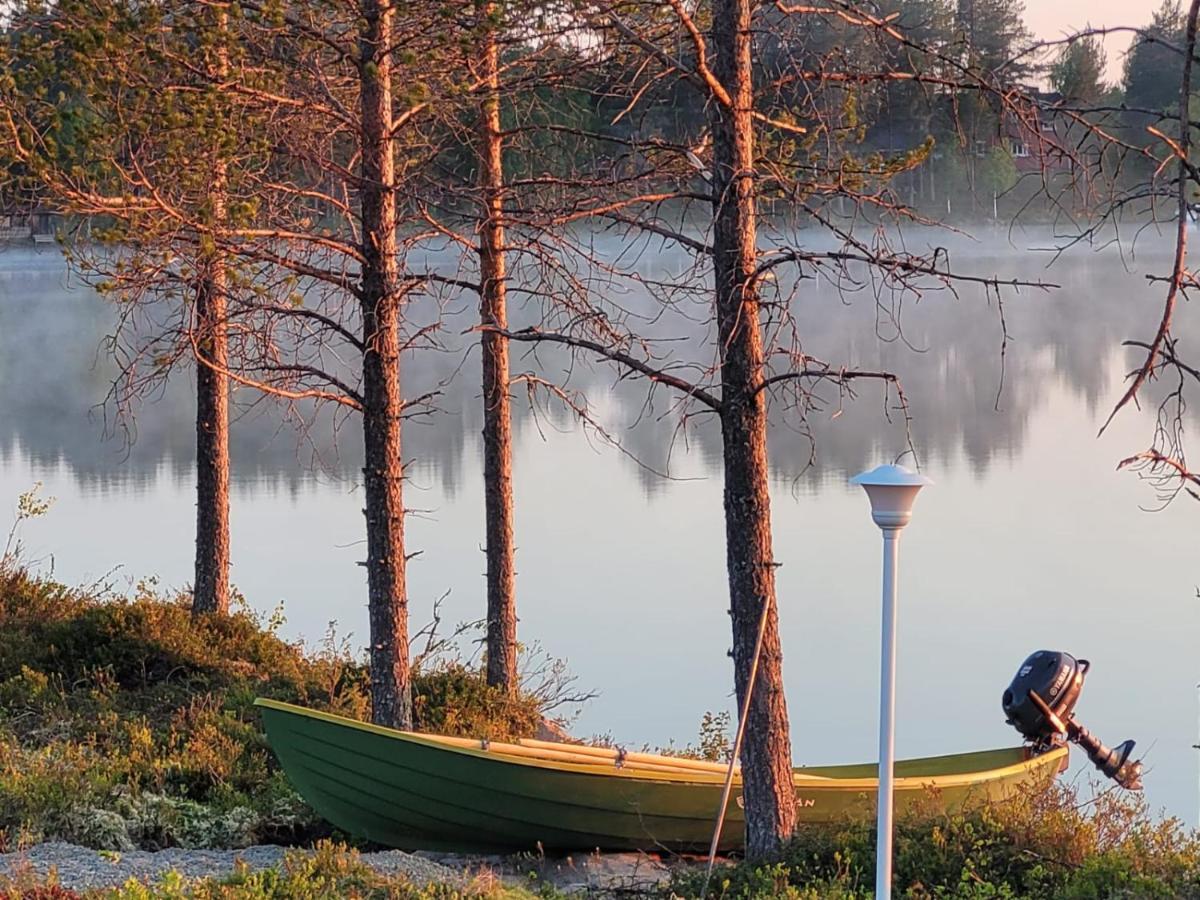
714, 742
1078, 73
995, 173
127, 723
715, 745
458, 700
1152, 66
1046, 845
994, 34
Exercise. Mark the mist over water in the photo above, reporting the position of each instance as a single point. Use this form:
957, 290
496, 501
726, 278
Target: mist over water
1029, 538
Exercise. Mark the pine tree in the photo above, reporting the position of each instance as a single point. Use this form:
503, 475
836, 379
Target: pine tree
1152, 68
1078, 73
992, 34
104, 120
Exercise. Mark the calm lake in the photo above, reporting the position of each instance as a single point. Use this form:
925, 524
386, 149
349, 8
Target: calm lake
1029, 538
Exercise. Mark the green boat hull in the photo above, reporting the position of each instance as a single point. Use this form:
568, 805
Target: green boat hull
414, 791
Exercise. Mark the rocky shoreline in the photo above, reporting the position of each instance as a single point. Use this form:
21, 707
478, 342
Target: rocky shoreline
81, 868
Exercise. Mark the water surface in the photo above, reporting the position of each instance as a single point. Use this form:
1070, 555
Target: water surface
1029, 539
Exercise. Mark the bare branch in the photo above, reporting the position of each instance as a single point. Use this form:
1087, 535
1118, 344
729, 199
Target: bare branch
656, 375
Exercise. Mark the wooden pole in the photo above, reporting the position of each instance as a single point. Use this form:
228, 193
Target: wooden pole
737, 746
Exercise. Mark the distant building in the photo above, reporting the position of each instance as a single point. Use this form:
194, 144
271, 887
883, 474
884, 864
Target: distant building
1034, 133
39, 224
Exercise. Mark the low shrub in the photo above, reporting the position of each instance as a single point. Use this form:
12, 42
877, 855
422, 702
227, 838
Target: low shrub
125, 723
37, 892
456, 699
1048, 844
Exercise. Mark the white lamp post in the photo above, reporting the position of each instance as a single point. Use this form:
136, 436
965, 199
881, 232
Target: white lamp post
892, 491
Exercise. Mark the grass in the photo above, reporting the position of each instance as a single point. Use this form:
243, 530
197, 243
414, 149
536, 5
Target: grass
126, 724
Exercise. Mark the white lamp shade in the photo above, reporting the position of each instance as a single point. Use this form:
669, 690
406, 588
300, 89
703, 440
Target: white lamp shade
892, 491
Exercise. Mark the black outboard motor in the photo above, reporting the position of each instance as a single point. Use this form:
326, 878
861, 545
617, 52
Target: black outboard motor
1040, 703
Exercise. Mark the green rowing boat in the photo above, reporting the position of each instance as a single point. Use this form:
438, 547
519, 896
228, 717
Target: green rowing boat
418, 791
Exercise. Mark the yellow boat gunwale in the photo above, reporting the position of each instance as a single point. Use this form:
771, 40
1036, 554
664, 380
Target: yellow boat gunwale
608, 769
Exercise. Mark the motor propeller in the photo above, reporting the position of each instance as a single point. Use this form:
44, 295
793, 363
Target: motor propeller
1040, 703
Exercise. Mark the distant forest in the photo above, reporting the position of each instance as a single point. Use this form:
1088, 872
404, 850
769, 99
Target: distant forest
902, 113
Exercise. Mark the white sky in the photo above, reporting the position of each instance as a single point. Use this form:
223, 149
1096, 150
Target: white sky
1053, 18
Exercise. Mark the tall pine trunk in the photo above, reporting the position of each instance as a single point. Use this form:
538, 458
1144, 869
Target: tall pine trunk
768, 795
497, 418
383, 475
210, 588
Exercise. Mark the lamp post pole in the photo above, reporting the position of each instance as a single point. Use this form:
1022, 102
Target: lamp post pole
887, 715
892, 491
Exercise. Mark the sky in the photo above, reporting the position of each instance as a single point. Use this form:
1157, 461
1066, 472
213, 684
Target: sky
1049, 19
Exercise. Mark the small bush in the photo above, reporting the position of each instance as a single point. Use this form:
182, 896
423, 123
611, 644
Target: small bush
127, 723
457, 700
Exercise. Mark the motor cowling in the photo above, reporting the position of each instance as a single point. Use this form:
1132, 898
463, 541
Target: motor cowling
1040, 703
1057, 678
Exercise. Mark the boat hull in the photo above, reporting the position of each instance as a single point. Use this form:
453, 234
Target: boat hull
414, 791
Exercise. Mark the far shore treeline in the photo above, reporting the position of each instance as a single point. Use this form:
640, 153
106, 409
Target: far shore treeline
258, 187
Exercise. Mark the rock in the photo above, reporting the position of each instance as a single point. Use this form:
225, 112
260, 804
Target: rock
593, 874
549, 730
